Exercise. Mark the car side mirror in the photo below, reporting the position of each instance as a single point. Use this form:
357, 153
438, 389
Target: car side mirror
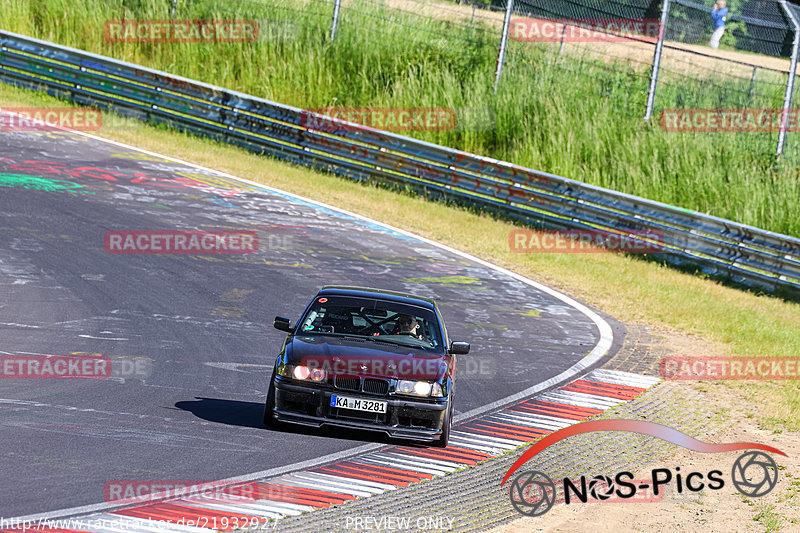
282, 324
459, 348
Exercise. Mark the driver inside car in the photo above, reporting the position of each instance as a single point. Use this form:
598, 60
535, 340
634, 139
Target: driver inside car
407, 325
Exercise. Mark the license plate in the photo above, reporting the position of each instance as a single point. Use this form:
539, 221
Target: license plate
357, 404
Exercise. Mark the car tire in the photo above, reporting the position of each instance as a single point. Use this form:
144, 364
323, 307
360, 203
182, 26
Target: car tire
446, 423
269, 405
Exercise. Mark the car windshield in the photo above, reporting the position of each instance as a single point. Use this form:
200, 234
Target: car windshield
378, 320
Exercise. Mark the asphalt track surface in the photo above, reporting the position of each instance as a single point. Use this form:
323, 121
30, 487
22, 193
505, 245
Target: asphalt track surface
200, 325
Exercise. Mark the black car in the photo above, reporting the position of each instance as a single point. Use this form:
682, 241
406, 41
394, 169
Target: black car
369, 359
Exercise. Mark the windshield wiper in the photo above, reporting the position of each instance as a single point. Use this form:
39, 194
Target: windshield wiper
363, 338
352, 336
400, 341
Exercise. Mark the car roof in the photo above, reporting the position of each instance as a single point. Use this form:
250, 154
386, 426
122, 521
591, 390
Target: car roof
379, 293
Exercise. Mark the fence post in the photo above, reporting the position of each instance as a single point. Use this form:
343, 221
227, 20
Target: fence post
501, 57
752, 85
472, 21
787, 99
662, 29
563, 34
337, 4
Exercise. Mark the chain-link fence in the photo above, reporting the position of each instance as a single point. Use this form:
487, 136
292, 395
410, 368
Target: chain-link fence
616, 48
671, 73
738, 86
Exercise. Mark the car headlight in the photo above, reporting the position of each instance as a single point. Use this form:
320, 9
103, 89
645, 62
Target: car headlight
437, 390
417, 388
318, 374
302, 372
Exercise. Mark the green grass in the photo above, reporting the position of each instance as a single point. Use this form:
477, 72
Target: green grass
768, 518
574, 116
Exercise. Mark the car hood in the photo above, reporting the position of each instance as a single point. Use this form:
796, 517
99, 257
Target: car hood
347, 356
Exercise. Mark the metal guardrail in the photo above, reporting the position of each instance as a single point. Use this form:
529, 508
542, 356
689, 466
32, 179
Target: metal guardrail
719, 247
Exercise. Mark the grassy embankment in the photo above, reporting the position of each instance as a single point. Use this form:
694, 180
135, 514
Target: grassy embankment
572, 116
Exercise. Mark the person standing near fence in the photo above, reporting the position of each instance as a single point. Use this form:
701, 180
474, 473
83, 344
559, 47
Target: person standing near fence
718, 16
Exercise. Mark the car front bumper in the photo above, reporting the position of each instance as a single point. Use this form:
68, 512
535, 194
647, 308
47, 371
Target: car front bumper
405, 418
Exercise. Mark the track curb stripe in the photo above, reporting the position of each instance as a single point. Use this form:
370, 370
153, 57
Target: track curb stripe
453, 458
338, 470
377, 472
413, 477
558, 410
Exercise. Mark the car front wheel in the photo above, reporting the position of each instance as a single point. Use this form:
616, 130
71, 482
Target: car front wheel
446, 423
269, 405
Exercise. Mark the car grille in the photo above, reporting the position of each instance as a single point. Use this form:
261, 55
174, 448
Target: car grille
376, 386
347, 383
353, 383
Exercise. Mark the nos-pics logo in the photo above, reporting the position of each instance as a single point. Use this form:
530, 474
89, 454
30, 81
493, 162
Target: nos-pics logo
533, 493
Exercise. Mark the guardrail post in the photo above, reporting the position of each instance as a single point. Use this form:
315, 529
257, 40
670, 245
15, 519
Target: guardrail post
787, 99
501, 57
662, 28
335, 22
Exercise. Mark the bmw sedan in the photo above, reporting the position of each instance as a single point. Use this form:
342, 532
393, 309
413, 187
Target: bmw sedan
368, 359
